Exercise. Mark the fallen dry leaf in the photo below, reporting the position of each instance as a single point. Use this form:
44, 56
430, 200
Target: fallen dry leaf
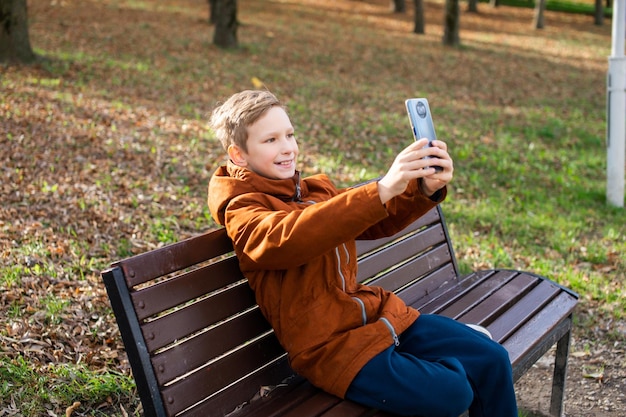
69, 410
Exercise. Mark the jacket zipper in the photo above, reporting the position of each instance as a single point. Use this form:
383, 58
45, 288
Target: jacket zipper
343, 278
394, 336
396, 340
363, 314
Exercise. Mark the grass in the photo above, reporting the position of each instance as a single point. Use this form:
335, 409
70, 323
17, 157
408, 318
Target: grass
587, 8
58, 386
107, 154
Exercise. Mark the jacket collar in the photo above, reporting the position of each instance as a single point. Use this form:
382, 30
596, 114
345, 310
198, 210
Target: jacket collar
286, 190
230, 181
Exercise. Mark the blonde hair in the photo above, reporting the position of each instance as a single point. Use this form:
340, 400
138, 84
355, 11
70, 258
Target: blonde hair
231, 119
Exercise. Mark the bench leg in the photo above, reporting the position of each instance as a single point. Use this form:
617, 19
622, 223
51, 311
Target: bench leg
560, 374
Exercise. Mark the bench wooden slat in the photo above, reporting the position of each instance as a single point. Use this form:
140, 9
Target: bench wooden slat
174, 257
347, 409
184, 393
364, 246
486, 289
508, 322
194, 317
190, 354
526, 337
436, 301
495, 304
413, 270
307, 400
559, 335
316, 405
388, 257
226, 401
185, 287
435, 283
278, 404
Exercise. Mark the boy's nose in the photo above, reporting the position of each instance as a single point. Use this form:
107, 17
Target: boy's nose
290, 147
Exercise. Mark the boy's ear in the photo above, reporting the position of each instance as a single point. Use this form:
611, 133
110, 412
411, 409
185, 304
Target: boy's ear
237, 156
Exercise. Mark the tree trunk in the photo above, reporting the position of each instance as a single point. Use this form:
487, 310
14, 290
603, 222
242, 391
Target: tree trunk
540, 8
494, 3
418, 17
472, 6
212, 12
399, 6
451, 33
225, 35
599, 13
14, 40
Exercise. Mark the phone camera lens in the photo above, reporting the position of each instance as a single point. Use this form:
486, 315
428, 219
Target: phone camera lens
421, 109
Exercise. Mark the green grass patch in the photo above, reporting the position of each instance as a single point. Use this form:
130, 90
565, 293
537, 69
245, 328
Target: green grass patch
40, 391
560, 6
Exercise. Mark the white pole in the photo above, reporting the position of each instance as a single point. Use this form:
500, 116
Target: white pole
616, 124
619, 14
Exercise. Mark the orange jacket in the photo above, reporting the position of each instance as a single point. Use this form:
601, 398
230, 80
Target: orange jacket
295, 240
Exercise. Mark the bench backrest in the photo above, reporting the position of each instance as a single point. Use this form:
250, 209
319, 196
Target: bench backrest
202, 344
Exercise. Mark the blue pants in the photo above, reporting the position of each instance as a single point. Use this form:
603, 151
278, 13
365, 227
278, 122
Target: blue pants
440, 369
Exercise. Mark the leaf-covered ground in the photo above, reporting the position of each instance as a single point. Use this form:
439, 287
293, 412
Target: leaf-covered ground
105, 153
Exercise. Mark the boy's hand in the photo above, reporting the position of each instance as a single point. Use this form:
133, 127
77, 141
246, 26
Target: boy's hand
410, 165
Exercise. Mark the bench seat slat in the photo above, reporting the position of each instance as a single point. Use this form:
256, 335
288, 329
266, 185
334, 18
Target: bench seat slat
513, 284
316, 405
310, 401
435, 283
559, 335
236, 396
434, 302
347, 409
508, 322
278, 404
548, 317
499, 301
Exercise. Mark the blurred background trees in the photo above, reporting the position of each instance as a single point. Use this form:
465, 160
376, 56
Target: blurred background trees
14, 39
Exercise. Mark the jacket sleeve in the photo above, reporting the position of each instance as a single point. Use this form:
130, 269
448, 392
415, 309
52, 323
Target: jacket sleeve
270, 234
404, 210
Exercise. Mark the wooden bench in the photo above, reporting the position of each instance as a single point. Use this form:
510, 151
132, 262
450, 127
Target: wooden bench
199, 346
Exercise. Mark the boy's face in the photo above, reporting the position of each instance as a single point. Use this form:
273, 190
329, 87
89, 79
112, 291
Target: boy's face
272, 147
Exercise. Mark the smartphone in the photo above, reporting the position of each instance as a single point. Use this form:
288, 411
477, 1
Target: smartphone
421, 122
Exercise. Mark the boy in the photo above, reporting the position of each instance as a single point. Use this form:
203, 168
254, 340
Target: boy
295, 240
